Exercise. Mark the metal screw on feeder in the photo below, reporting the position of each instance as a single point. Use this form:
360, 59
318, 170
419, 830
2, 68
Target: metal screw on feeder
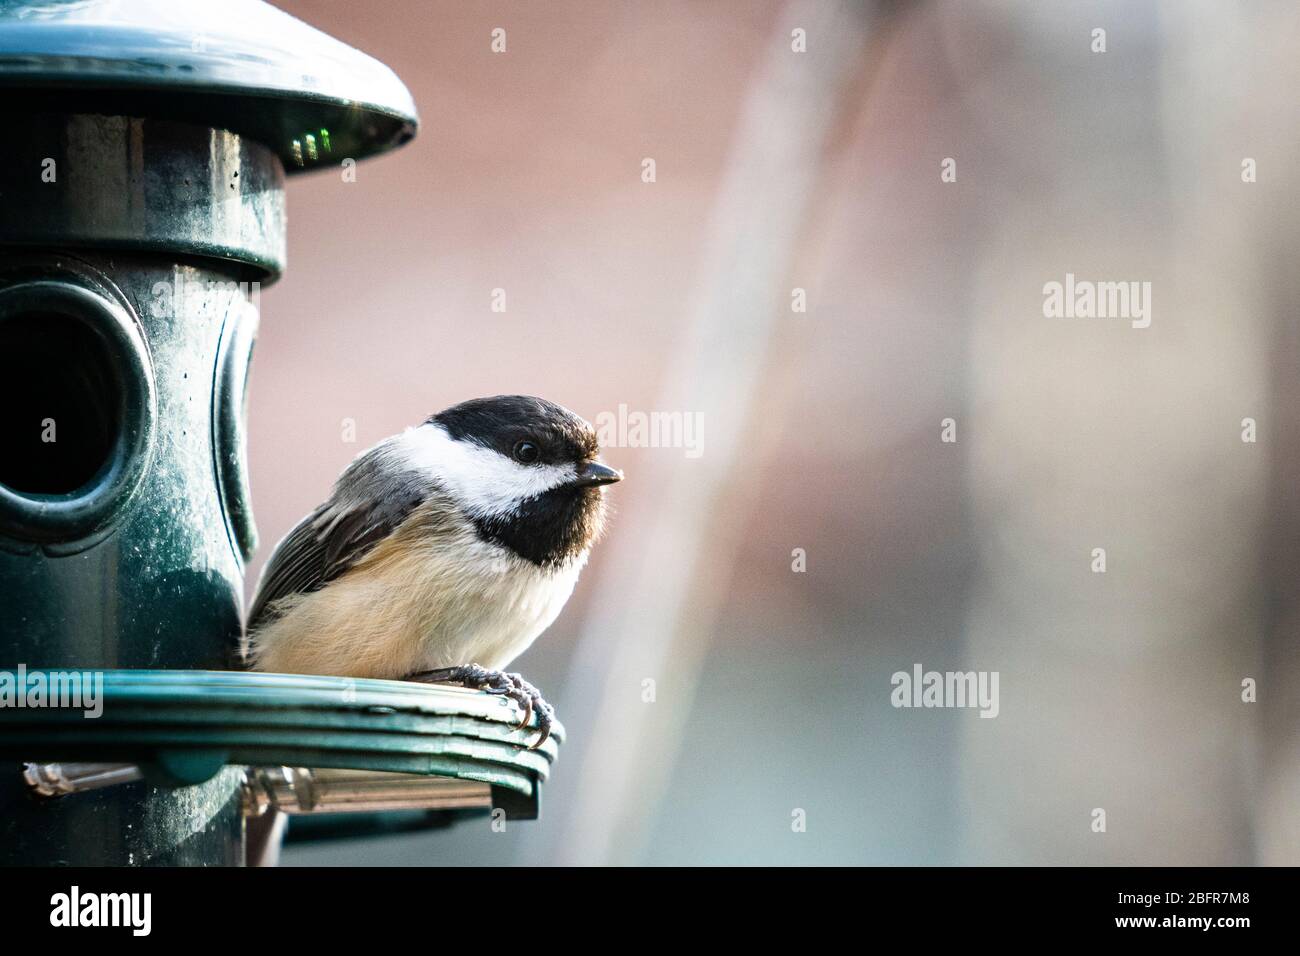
143, 194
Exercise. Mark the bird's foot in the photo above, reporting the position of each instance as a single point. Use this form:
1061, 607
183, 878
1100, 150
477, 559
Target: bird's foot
510, 685
536, 705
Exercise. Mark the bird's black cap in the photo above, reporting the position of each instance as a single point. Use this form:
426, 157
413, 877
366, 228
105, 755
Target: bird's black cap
502, 421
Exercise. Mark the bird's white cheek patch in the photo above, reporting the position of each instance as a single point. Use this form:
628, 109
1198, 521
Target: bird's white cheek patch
485, 482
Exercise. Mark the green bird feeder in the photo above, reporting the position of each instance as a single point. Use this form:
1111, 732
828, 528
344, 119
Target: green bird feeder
141, 209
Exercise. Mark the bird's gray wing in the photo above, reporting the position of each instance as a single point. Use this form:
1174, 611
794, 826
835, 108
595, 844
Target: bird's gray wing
371, 499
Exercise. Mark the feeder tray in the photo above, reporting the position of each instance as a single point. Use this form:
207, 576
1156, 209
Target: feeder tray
183, 727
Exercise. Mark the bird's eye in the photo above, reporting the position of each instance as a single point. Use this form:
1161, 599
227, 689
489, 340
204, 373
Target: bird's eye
526, 452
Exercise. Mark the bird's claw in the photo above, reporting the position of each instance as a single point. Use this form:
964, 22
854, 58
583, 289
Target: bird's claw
536, 705
512, 685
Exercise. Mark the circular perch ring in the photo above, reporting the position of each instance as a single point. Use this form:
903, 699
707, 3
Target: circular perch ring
192, 723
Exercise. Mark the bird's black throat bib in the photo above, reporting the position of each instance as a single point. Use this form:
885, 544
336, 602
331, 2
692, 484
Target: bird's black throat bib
549, 528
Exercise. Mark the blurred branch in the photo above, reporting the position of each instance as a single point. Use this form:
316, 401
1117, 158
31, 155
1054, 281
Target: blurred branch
649, 620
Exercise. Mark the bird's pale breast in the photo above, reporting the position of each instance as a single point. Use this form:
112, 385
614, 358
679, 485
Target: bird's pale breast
425, 597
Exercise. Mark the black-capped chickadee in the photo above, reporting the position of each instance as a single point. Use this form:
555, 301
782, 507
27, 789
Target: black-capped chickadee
442, 553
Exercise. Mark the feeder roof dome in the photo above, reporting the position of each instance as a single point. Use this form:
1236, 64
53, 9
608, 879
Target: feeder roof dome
241, 65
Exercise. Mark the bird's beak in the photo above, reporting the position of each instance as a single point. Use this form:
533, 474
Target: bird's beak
594, 473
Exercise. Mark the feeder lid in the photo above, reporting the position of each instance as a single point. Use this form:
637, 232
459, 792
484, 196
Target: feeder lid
240, 65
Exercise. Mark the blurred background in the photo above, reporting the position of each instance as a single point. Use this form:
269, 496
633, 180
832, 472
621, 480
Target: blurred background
798, 278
